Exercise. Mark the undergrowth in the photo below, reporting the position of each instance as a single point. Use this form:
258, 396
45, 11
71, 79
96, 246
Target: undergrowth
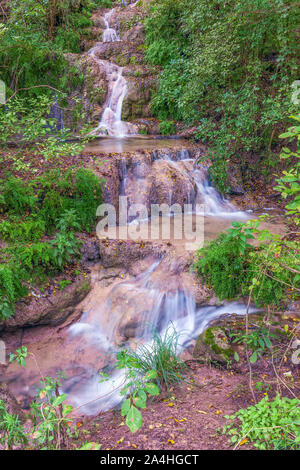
233, 267
270, 424
39, 221
227, 68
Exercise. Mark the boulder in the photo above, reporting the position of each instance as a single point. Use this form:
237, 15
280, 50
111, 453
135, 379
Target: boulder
89, 252
52, 310
213, 345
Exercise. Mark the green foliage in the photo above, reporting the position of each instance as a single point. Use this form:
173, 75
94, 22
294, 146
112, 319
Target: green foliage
27, 120
163, 33
20, 356
288, 184
36, 35
54, 205
234, 268
50, 426
34, 64
32, 229
223, 261
139, 383
228, 67
16, 196
167, 128
147, 370
90, 446
50, 415
12, 432
88, 196
162, 356
270, 424
11, 288
259, 341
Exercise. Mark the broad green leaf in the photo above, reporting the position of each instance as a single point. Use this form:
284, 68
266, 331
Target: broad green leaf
253, 357
152, 389
125, 407
59, 400
134, 419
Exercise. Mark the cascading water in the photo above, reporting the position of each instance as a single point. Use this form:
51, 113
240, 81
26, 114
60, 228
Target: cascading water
111, 122
199, 190
150, 305
214, 203
110, 34
130, 310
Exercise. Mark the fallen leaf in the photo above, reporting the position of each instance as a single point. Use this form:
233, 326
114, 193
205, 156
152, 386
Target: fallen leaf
243, 442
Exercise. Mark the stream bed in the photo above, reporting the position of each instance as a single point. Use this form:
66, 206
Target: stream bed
127, 302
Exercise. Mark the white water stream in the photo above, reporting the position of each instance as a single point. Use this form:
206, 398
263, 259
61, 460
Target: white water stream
154, 299
111, 121
156, 308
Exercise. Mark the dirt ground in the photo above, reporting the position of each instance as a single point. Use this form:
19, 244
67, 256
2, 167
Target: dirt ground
189, 418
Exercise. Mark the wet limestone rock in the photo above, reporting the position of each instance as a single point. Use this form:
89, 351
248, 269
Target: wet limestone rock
170, 185
235, 180
88, 92
140, 88
11, 404
213, 345
118, 253
49, 311
89, 252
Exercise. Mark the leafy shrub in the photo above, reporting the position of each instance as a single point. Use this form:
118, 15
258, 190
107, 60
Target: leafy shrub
167, 128
206, 49
32, 229
87, 197
147, 370
35, 38
50, 415
50, 426
35, 255
223, 263
17, 196
269, 424
65, 247
234, 268
259, 341
11, 288
79, 191
138, 384
288, 183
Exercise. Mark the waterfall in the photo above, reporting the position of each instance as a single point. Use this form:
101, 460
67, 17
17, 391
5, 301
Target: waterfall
215, 204
110, 34
150, 305
111, 120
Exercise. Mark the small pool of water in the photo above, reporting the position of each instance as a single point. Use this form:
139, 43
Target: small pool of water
131, 144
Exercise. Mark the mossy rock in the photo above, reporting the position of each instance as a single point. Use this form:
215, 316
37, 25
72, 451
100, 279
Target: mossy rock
52, 310
213, 345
